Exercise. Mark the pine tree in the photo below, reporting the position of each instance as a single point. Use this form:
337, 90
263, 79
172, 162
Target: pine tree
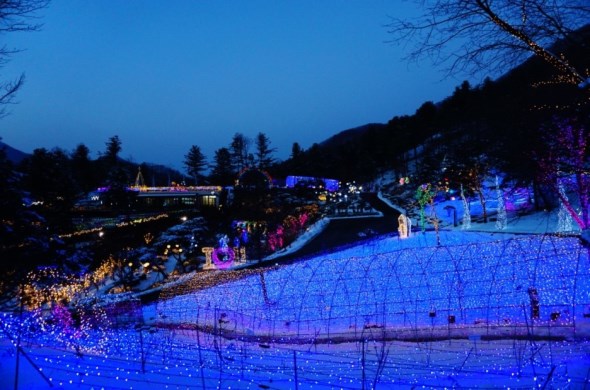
239, 152
82, 170
195, 163
113, 148
222, 172
264, 151
296, 151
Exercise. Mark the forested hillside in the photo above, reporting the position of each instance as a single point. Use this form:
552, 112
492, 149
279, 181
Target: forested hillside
503, 124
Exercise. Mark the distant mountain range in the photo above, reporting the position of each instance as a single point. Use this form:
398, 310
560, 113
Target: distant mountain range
14, 155
351, 135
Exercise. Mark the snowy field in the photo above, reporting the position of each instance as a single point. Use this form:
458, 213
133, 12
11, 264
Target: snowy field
482, 287
483, 309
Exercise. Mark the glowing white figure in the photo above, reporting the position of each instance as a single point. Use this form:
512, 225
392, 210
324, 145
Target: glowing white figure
404, 226
564, 218
466, 213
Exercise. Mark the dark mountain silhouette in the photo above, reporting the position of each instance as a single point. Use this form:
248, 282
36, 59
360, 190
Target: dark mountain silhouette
501, 118
350, 135
153, 174
13, 155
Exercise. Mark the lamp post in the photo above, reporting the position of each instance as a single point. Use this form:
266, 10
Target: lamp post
175, 251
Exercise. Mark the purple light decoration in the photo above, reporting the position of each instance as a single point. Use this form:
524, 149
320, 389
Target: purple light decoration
223, 257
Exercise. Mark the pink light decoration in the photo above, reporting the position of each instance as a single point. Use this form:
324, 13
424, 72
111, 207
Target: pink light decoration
223, 257
275, 240
303, 220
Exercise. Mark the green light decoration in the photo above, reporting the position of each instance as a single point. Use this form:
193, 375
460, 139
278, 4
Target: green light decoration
424, 196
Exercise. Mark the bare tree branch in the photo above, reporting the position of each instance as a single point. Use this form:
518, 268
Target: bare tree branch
491, 35
15, 16
7, 93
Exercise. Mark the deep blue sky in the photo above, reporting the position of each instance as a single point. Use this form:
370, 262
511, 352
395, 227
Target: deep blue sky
165, 75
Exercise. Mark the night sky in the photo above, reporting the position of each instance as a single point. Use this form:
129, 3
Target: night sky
165, 75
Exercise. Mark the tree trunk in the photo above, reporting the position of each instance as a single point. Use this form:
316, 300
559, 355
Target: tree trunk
482, 200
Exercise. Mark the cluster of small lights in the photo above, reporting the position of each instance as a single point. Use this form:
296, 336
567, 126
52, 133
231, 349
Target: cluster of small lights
338, 296
82, 232
291, 226
557, 80
558, 107
354, 188
142, 220
424, 195
564, 218
466, 224
178, 188
562, 79
188, 362
266, 328
223, 257
568, 168
100, 230
567, 72
47, 286
77, 328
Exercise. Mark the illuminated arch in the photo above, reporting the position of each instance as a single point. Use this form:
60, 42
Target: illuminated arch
254, 177
223, 257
